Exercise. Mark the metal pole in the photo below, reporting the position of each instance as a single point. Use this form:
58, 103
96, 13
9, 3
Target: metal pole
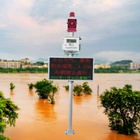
98, 90
70, 131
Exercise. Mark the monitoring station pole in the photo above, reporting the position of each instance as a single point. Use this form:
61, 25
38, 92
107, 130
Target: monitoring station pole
71, 46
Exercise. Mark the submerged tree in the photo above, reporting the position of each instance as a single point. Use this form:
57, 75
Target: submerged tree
46, 89
8, 114
122, 106
51, 95
31, 86
78, 90
86, 88
12, 86
43, 88
66, 87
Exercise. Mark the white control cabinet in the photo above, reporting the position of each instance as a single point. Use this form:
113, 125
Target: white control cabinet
71, 43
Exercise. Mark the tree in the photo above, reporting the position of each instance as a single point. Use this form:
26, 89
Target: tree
8, 114
86, 88
122, 106
46, 89
12, 86
78, 90
40, 63
51, 95
66, 87
3, 138
31, 86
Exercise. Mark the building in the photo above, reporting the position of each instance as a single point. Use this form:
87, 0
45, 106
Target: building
13, 63
25, 60
96, 66
23, 63
10, 64
134, 66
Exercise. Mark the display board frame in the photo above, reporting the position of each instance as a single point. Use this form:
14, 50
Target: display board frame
70, 68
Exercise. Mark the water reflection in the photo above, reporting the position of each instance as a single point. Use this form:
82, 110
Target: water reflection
12, 93
31, 92
98, 100
80, 99
114, 136
45, 110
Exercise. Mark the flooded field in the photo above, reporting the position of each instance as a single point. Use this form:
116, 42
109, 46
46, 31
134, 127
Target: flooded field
39, 120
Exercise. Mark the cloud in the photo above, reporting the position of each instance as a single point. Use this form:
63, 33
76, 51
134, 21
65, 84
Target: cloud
22, 27
38, 26
112, 56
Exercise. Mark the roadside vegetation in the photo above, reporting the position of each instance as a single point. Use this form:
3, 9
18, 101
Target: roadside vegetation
122, 106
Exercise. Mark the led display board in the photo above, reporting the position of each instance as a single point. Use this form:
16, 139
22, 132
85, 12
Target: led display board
70, 68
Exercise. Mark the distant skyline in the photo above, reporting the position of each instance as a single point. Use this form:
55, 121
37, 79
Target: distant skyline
110, 29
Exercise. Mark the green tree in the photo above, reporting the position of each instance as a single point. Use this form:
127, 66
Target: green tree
8, 114
122, 106
3, 138
31, 86
66, 87
86, 88
40, 63
51, 95
45, 89
12, 86
78, 90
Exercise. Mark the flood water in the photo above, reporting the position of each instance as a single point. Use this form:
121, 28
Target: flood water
39, 120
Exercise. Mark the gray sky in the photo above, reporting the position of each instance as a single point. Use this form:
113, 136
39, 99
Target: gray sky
110, 29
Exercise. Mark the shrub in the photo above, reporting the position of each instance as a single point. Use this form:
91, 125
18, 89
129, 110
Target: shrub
3, 138
122, 106
8, 114
51, 95
66, 87
46, 89
31, 86
86, 88
78, 90
43, 88
12, 86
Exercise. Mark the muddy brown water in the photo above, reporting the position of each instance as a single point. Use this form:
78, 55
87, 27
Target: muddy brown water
39, 120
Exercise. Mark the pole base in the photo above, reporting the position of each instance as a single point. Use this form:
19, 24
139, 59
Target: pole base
69, 132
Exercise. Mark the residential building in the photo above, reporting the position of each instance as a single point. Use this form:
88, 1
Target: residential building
23, 63
10, 64
96, 66
134, 65
25, 60
13, 63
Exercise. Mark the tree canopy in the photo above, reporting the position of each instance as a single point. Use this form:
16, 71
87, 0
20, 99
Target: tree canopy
122, 106
8, 114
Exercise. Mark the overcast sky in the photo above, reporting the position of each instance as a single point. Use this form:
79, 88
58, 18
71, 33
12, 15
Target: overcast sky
110, 29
